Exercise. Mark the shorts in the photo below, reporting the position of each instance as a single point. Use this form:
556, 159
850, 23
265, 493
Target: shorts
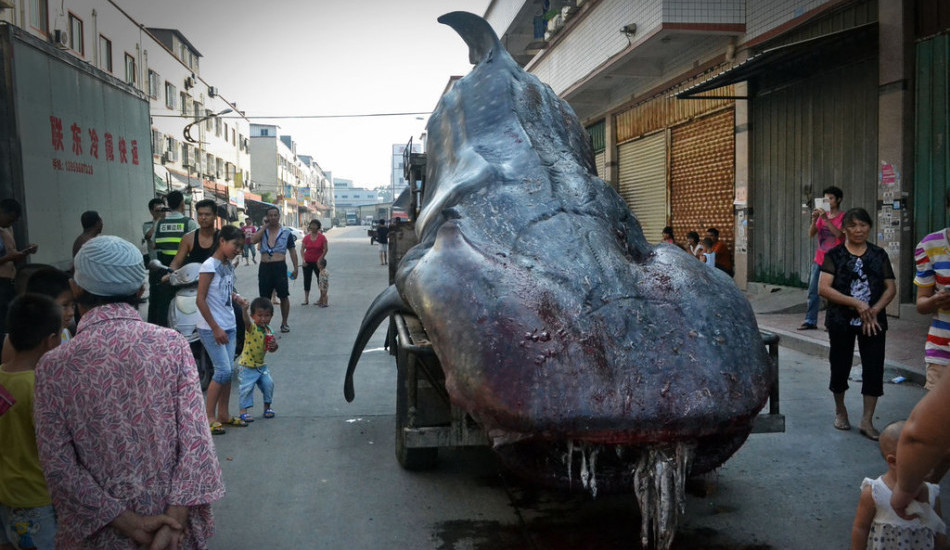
934, 372
383, 247
272, 276
28, 527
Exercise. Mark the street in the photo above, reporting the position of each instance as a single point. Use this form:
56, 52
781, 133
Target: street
322, 474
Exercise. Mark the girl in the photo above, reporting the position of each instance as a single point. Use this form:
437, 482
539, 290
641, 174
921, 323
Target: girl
878, 527
217, 326
314, 249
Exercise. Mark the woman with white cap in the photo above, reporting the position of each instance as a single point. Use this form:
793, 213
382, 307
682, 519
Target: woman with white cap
125, 444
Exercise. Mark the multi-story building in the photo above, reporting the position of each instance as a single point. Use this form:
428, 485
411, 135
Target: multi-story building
398, 180
357, 202
164, 65
737, 113
276, 173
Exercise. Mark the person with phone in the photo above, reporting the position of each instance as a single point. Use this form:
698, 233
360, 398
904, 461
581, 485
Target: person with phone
10, 258
826, 225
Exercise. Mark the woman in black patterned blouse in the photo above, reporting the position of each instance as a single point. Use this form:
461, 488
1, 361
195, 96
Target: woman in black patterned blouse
858, 281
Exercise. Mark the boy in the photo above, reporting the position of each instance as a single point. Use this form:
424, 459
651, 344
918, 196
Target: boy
707, 254
258, 339
53, 283
26, 510
323, 282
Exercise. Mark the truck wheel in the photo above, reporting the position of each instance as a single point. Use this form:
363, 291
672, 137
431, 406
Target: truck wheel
414, 459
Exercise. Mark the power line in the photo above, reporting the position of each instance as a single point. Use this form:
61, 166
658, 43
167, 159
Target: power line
361, 115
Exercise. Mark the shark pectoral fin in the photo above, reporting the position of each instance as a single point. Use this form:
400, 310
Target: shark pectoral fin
386, 303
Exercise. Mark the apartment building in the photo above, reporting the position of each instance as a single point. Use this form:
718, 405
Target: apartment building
737, 113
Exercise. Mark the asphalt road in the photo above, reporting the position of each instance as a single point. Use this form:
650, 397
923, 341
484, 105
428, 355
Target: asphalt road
322, 474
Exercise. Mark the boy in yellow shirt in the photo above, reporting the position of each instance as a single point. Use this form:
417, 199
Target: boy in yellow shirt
258, 339
26, 511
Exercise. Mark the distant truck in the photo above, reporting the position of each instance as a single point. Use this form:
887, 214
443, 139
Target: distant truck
352, 218
72, 138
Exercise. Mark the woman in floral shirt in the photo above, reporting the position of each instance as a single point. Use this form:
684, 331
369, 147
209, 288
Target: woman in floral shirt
124, 441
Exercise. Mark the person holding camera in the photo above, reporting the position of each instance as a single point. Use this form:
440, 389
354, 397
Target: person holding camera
826, 222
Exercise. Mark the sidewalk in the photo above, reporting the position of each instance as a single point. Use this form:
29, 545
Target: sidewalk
781, 310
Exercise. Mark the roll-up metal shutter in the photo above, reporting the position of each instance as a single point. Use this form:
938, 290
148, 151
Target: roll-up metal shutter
702, 176
642, 175
600, 161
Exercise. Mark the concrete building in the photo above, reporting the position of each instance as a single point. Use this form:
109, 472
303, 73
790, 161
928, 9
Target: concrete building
398, 180
737, 113
165, 65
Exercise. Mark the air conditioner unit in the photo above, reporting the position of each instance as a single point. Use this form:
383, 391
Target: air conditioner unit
61, 39
212, 91
189, 83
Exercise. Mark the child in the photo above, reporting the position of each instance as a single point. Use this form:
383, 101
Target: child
217, 325
323, 282
53, 283
877, 526
258, 339
26, 510
706, 254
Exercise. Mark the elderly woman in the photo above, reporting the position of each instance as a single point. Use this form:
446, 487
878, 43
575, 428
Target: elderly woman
858, 281
125, 444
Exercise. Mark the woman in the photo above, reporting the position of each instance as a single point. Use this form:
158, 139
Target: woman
115, 408
314, 249
858, 281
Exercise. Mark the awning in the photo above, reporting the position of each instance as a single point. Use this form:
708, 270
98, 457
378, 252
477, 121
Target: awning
161, 179
256, 209
792, 61
181, 182
402, 201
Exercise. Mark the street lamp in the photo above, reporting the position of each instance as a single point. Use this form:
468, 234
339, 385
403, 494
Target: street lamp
186, 132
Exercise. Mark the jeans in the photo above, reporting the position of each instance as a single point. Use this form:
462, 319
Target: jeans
28, 527
221, 355
261, 377
814, 301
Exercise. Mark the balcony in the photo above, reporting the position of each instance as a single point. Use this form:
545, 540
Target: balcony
602, 52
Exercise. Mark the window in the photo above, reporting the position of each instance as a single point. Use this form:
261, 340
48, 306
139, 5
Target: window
131, 73
105, 53
39, 15
171, 95
217, 126
76, 40
183, 96
154, 84
264, 132
233, 137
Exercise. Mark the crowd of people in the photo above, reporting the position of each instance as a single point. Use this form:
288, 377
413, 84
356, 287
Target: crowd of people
92, 430
118, 405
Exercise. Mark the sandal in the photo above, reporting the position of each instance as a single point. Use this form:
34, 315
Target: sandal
807, 326
284, 328
236, 422
246, 417
217, 428
269, 413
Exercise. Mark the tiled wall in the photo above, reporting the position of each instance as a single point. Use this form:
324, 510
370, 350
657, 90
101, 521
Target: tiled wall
595, 40
705, 11
765, 15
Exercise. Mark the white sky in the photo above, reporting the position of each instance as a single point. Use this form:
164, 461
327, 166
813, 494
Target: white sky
317, 57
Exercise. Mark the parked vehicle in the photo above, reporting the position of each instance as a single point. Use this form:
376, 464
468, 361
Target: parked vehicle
63, 152
183, 313
352, 218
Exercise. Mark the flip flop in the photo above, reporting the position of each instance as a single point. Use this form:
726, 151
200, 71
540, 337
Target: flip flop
236, 422
269, 413
246, 417
842, 424
217, 429
284, 328
871, 434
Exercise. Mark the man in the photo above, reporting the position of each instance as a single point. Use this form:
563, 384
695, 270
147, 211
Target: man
249, 229
932, 256
10, 257
382, 237
157, 208
91, 227
827, 226
723, 254
197, 246
168, 235
277, 242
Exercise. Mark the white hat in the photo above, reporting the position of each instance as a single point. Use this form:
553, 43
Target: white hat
109, 266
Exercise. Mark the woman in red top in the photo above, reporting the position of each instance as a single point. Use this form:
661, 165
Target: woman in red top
314, 249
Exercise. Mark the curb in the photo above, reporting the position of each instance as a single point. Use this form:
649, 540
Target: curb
819, 348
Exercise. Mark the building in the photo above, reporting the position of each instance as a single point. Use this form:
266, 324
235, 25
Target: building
165, 65
399, 173
736, 114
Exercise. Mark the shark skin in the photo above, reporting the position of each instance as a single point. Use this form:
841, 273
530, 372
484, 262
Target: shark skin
557, 325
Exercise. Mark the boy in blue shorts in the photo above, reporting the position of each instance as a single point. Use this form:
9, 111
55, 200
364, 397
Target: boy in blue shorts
27, 519
258, 339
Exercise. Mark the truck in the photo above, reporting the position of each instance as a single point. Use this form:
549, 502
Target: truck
72, 138
352, 218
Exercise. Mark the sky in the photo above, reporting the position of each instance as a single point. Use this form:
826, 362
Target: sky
321, 57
